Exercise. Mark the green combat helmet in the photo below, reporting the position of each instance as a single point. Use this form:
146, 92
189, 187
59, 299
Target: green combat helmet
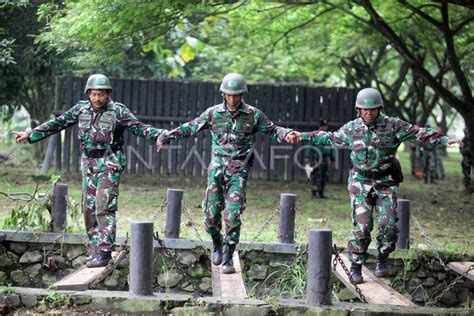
98, 82
369, 98
233, 84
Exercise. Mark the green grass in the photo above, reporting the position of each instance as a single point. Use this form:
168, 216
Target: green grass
444, 210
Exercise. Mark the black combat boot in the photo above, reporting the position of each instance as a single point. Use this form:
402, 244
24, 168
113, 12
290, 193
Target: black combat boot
228, 265
91, 255
356, 273
101, 259
314, 194
217, 253
321, 195
381, 269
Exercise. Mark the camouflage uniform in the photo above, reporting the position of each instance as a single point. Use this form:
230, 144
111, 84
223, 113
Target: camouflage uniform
466, 162
232, 137
102, 160
439, 156
429, 162
319, 156
371, 182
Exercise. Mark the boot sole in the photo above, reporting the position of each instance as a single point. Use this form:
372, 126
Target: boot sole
228, 270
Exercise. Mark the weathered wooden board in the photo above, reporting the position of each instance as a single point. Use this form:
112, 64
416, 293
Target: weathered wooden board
228, 285
374, 290
462, 267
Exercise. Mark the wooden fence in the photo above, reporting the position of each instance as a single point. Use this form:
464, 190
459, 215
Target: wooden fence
167, 104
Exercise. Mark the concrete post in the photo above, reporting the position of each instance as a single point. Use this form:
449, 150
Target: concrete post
319, 267
173, 212
59, 212
141, 258
287, 218
403, 224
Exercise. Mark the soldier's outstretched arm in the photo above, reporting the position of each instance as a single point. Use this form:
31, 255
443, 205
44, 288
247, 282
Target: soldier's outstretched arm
278, 133
337, 138
187, 129
406, 131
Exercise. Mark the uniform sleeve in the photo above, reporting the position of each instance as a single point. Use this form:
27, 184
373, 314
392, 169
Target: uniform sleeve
264, 125
188, 129
406, 131
54, 125
130, 122
337, 138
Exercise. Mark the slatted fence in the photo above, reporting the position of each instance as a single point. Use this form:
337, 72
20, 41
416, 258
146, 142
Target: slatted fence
167, 104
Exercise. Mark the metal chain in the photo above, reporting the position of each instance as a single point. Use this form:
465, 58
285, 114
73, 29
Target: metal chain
336, 259
20, 266
185, 209
263, 228
173, 258
429, 241
450, 286
122, 249
303, 254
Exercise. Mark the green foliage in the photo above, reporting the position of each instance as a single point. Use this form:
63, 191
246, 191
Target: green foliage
32, 216
55, 300
7, 289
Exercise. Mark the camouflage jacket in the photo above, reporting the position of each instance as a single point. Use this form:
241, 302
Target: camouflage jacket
98, 129
232, 134
373, 147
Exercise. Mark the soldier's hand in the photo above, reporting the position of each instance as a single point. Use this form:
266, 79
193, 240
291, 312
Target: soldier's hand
293, 137
452, 142
20, 137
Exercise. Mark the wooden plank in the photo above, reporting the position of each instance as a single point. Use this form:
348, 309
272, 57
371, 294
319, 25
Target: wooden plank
66, 101
158, 111
182, 111
142, 109
190, 142
228, 285
77, 90
167, 105
374, 290
462, 267
82, 278
175, 111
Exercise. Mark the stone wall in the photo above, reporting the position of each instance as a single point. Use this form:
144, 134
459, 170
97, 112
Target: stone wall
39, 260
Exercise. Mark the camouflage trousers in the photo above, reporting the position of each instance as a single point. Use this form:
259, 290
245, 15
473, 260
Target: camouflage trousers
319, 177
466, 165
226, 182
429, 166
364, 199
100, 184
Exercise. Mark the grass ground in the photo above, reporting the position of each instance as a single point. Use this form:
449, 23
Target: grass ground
443, 209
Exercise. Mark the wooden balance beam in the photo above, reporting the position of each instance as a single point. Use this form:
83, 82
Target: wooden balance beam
82, 278
374, 290
462, 267
228, 285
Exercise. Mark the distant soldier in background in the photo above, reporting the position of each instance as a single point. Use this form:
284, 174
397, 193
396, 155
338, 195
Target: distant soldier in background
318, 159
466, 162
439, 156
429, 160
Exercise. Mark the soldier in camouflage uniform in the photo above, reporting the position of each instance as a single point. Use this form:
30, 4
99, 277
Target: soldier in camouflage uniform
101, 123
466, 162
428, 156
374, 179
233, 125
319, 159
439, 156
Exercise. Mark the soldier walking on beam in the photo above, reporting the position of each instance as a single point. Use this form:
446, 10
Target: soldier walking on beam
233, 125
376, 174
100, 131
